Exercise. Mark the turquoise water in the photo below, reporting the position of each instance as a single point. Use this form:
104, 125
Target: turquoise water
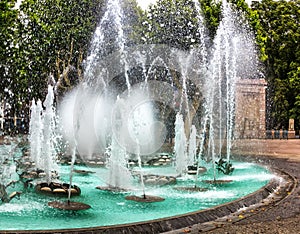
31, 212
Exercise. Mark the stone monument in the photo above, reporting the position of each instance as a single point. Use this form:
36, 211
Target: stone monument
250, 114
291, 131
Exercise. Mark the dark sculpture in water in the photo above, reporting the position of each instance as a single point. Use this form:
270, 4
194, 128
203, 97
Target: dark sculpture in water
5, 198
224, 166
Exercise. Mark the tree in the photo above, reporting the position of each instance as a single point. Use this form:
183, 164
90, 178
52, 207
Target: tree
212, 13
38, 39
171, 22
57, 36
280, 33
46, 40
8, 18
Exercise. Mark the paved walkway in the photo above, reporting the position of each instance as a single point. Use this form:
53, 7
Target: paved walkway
283, 218
289, 149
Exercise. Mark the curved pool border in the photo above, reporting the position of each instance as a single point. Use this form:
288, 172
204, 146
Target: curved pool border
269, 195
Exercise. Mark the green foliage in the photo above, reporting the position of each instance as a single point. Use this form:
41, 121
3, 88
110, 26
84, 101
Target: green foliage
252, 17
171, 22
39, 39
57, 35
212, 13
279, 36
8, 18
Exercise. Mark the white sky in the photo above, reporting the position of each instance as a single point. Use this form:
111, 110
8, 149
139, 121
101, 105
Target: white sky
145, 3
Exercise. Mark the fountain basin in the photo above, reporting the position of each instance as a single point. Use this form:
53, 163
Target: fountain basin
112, 212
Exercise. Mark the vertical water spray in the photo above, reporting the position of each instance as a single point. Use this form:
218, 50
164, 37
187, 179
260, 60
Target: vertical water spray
230, 55
192, 146
184, 61
180, 145
227, 64
141, 59
140, 168
36, 133
119, 175
109, 37
230, 98
71, 173
202, 53
141, 131
109, 40
48, 149
42, 135
202, 34
220, 89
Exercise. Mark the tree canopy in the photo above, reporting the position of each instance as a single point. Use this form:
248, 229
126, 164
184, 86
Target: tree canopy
172, 23
42, 38
39, 39
280, 31
8, 50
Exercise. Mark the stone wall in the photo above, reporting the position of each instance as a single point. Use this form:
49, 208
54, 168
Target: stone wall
250, 115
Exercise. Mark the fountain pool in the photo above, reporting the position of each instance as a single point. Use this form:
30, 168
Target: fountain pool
31, 212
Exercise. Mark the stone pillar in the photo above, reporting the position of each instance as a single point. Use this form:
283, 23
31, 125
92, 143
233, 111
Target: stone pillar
250, 113
291, 132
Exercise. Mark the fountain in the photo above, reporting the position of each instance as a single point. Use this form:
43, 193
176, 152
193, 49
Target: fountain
42, 136
113, 132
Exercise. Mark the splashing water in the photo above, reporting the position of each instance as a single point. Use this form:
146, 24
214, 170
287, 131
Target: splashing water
180, 145
42, 135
